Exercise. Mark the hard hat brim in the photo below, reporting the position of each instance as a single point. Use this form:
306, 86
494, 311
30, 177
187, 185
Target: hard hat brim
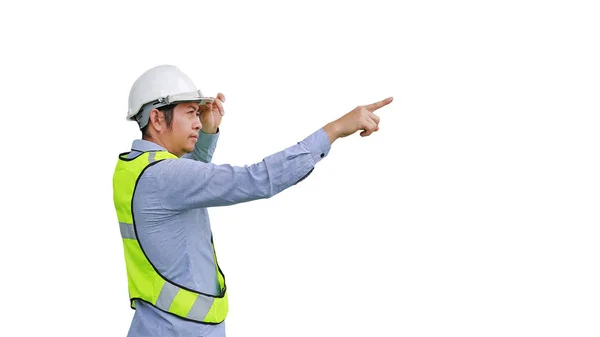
193, 96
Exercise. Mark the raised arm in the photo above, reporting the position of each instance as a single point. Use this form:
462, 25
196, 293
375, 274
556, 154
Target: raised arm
210, 116
184, 184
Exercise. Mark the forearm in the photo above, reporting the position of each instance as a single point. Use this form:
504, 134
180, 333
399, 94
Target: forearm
333, 131
205, 146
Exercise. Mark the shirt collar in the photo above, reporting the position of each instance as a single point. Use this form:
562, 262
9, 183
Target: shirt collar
142, 145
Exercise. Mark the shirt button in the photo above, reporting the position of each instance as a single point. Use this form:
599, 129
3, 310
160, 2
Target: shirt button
322, 155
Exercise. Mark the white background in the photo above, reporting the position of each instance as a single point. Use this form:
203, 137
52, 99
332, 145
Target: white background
474, 211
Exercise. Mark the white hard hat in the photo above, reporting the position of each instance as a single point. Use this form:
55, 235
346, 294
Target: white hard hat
160, 86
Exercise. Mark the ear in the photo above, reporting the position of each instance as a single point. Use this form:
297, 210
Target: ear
156, 119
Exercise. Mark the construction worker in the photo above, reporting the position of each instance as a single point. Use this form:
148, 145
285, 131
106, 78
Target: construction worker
165, 184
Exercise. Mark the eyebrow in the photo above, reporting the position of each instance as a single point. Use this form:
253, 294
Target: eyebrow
191, 106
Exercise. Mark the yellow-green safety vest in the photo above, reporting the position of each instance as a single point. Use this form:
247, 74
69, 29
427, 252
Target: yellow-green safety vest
144, 281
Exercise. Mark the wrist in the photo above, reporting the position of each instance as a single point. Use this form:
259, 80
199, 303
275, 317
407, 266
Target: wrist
211, 131
333, 131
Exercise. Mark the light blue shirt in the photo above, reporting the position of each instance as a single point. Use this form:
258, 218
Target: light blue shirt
171, 217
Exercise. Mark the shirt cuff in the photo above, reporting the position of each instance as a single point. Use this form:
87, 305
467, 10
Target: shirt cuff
318, 144
207, 140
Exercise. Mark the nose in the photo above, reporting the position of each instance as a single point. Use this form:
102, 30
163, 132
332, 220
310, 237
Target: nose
197, 124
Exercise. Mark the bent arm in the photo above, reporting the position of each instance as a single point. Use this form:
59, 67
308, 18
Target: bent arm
204, 148
185, 184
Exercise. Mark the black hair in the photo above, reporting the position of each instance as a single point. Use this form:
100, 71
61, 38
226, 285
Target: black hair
167, 110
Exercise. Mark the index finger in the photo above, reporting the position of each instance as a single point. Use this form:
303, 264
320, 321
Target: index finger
220, 107
221, 97
374, 106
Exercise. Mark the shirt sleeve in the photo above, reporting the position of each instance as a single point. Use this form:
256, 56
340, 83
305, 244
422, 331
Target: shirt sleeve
184, 184
204, 148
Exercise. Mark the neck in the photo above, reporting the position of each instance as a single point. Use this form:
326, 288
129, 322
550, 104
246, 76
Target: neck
155, 140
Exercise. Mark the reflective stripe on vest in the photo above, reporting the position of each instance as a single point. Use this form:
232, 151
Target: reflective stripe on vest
144, 281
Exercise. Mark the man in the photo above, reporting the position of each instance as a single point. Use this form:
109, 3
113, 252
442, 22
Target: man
164, 185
